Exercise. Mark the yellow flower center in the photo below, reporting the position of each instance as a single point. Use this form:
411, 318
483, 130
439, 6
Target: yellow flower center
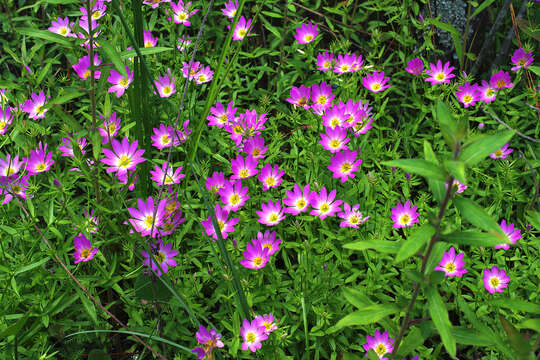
124, 82
168, 226
244, 173
192, 72
238, 130
165, 139
335, 122
335, 143
267, 246
322, 100
168, 180
242, 33
521, 62
405, 218
494, 282
498, 152
270, 181
223, 118
440, 77
326, 64
171, 207
221, 225
148, 221
300, 204
85, 253
302, 101
250, 337
41, 167
354, 219
11, 171
148, 44
257, 261
16, 189
308, 38
256, 152
39, 109
166, 90
202, 78
124, 161
63, 31
235, 199
273, 217
380, 349
450, 267
160, 257
2, 125
112, 128
346, 167
96, 14
267, 325
490, 92
325, 208
86, 74
467, 99
501, 83
375, 86
344, 68
182, 16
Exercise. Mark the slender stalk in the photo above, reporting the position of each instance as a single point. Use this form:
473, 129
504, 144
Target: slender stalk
465, 35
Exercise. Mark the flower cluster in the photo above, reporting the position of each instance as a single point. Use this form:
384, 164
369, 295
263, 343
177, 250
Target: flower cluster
340, 64
258, 252
196, 72
255, 332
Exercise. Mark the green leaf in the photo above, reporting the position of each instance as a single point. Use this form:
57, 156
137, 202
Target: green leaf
89, 306
383, 246
479, 9
114, 56
418, 166
456, 169
144, 51
66, 97
446, 121
471, 337
517, 341
31, 266
415, 242
473, 238
477, 150
533, 324
436, 186
517, 304
435, 256
15, 328
146, 289
368, 315
45, 35
477, 216
439, 316
534, 218
9, 230
535, 69
357, 298
456, 36
411, 342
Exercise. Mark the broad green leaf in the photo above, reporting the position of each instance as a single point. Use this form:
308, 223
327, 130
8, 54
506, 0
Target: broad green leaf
415, 242
517, 341
9, 230
45, 35
114, 56
439, 316
31, 266
386, 247
436, 186
368, 315
357, 298
473, 238
447, 123
421, 167
66, 97
435, 256
411, 342
477, 216
144, 51
477, 150
456, 169
471, 337
533, 324
517, 304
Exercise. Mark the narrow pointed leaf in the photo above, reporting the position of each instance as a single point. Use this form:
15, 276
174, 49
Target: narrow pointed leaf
447, 123
477, 216
144, 51
473, 238
383, 246
436, 186
415, 242
456, 169
479, 149
471, 337
411, 342
368, 315
420, 167
517, 304
439, 316
356, 298
46, 35
517, 341
114, 56
533, 324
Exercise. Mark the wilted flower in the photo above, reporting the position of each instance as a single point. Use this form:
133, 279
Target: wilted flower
82, 68
216, 182
109, 128
166, 175
415, 66
255, 147
300, 96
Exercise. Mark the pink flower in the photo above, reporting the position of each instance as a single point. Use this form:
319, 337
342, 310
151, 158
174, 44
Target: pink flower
242, 29
344, 164
255, 256
35, 107
148, 39
226, 226
123, 157
216, 182
6, 119
155, 3
119, 82
521, 59
164, 255
255, 147
252, 334
404, 215
165, 84
233, 195
83, 249
438, 74
268, 241
230, 9
468, 95
415, 66
209, 340
142, 218
451, 264
39, 160
221, 116
495, 280
501, 80
82, 68
322, 97
270, 176
502, 153
204, 75
335, 116
323, 204
306, 33
487, 92
348, 63
271, 213
109, 128
458, 186
297, 200
381, 343
182, 13
300, 96
375, 82
267, 321
334, 140
62, 27
166, 175
243, 169
11, 166
352, 217
325, 62
67, 148
165, 137
513, 234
